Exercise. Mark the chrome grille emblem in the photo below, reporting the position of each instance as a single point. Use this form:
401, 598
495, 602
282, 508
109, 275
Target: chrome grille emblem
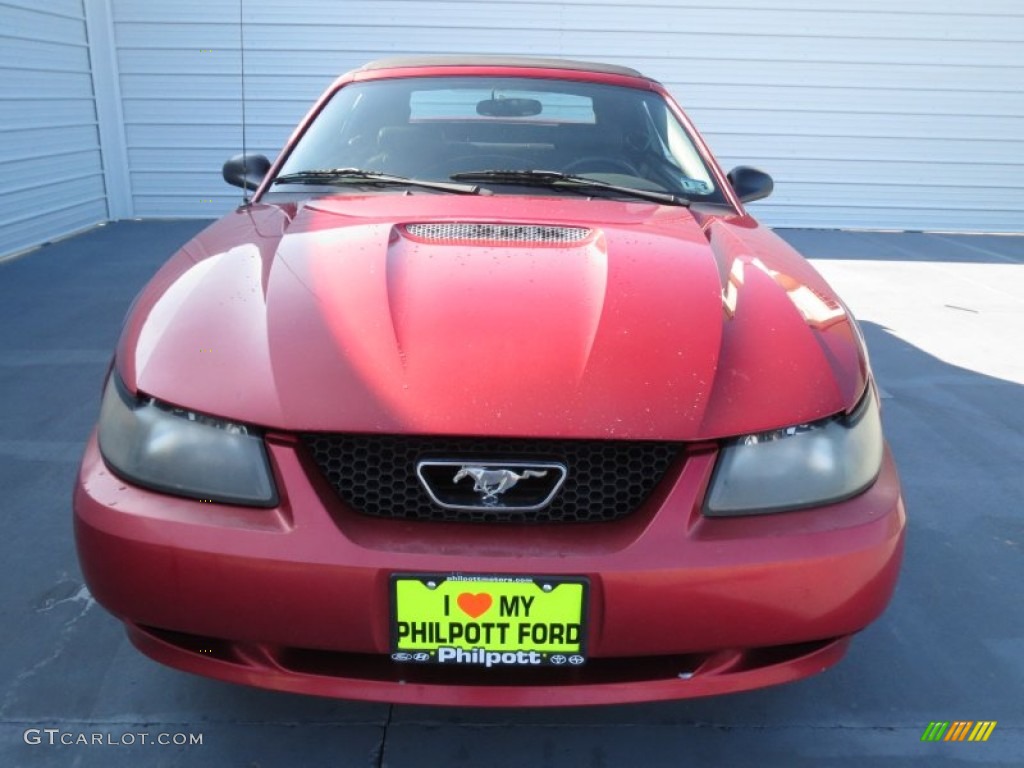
494, 482
498, 486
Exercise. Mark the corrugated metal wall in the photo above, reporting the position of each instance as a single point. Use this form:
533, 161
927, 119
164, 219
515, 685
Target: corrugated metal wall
181, 87
50, 160
868, 113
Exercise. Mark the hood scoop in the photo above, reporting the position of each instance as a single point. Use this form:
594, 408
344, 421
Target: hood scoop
390, 314
497, 234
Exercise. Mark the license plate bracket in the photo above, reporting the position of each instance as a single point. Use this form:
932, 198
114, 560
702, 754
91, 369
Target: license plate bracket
489, 620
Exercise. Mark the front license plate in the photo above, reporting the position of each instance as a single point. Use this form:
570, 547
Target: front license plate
489, 621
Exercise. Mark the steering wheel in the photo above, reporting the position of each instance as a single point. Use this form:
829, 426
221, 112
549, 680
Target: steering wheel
601, 164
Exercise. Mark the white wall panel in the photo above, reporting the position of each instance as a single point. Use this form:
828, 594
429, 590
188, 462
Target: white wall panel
868, 113
50, 156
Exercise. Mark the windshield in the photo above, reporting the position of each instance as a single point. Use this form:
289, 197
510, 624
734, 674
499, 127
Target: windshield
439, 127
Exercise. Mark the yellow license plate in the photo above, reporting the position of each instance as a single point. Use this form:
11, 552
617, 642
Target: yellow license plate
489, 621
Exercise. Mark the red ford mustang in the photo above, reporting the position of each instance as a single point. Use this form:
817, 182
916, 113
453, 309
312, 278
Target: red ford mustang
493, 395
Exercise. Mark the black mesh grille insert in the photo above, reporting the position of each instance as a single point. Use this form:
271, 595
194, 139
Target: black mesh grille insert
376, 474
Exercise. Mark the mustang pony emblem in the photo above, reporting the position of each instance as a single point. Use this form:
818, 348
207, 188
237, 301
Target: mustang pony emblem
494, 482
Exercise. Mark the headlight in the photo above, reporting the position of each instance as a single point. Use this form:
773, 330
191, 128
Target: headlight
181, 452
802, 466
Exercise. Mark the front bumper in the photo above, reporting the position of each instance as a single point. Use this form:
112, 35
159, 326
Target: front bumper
296, 598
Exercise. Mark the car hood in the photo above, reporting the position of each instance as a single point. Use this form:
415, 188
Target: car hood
516, 316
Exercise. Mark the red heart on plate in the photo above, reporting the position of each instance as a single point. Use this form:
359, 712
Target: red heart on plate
475, 606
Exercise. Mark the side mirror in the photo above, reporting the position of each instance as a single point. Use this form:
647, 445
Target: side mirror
749, 183
246, 171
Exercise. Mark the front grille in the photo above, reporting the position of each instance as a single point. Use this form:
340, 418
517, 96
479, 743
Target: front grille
498, 233
376, 474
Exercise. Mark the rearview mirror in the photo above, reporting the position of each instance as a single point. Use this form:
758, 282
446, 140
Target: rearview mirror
509, 107
749, 183
246, 171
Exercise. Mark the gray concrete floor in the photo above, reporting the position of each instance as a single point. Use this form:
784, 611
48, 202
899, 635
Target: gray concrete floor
944, 318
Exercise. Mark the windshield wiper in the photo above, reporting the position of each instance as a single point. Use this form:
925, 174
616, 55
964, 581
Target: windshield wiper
346, 175
568, 181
